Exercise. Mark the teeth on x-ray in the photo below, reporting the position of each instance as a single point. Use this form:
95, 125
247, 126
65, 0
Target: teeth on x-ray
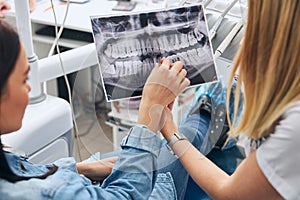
129, 46
127, 68
156, 47
192, 39
149, 46
108, 50
205, 54
122, 49
184, 41
192, 54
111, 71
133, 47
165, 42
119, 68
198, 34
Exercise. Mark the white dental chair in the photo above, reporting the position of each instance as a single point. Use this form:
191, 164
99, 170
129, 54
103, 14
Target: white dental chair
47, 131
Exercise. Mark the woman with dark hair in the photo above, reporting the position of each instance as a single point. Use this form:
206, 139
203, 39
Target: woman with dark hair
134, 173
11, 49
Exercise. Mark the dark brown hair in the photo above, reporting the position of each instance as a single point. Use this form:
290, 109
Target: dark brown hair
9, 52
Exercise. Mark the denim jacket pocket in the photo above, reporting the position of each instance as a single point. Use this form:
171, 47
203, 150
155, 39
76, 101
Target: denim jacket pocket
164, 187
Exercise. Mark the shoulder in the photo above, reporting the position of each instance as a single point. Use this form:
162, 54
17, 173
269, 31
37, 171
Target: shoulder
278, 156
287, 130
63, 184
291, 117
19, 190
286, 135
65, 177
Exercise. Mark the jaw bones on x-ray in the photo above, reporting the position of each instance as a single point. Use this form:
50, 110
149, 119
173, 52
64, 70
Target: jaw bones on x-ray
128, 46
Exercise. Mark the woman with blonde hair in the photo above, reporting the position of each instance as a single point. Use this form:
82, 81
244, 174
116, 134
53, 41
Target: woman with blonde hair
269, 72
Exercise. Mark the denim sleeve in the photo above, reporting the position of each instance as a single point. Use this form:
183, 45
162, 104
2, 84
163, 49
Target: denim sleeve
135, 171
132, 177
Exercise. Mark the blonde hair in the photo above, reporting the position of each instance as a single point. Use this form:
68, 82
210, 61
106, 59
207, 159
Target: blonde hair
268, 64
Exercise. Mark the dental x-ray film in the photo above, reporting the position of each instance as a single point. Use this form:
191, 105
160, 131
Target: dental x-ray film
129, 45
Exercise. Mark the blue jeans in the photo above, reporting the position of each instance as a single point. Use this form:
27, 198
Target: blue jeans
195, 129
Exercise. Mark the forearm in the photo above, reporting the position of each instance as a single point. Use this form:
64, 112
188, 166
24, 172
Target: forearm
82, 167
151, 116
85, 168
205, 173
96, 170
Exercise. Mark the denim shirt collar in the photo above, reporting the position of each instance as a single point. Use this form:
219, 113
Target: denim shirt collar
22, 167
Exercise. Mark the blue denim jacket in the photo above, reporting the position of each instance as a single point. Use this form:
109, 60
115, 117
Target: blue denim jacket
133, 176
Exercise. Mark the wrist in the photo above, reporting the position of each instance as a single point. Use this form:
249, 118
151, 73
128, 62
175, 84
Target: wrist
168, 133
176, 137
82, 168
151, 116
169, 129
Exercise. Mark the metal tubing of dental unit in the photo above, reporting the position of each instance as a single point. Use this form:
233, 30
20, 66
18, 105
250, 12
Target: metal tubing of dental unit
213, 30
205, 4
24, 29
73, 60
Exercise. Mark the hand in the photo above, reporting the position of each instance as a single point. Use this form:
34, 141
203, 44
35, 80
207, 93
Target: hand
97, 170
3, 6
164, 83
32, 5
169, 126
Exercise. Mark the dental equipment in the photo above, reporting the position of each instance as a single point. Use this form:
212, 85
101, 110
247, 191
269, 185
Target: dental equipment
182, 2
85, 57
213, 30
47, 68
24, 27
205, 4
222, 47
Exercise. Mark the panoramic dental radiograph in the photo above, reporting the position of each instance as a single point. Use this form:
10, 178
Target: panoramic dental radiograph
128, 46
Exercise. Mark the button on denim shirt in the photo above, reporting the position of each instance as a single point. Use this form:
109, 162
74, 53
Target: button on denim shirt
133, 176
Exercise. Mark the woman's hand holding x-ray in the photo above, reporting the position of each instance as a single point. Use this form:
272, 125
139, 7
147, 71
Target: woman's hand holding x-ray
164, 83
3, 6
